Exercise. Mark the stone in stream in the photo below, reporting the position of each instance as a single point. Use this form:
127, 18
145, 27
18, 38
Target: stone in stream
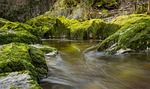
45, 49
49, 51
18, 80
21, 57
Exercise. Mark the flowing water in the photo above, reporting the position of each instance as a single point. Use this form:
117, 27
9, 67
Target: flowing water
80, 66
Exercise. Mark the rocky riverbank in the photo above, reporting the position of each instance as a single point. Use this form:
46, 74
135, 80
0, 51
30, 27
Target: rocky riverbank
22, 58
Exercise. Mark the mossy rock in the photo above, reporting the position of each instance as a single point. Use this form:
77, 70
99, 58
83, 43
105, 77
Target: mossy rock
87, 29
44, 48
94, 28
21, 80
134, 34
43, 25
48, 26
16, 32
19, 56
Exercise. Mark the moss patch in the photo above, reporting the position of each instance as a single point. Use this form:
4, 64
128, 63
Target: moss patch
134, 34
43, 24
16, 32
94, 28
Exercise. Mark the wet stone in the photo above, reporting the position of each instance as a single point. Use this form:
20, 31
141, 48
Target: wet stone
16, 80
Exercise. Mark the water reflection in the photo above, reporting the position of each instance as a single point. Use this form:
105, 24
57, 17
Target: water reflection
80, 66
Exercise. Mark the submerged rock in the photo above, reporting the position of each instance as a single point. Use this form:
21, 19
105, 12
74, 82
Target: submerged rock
16, 32
133, 34
49, 51
18, 80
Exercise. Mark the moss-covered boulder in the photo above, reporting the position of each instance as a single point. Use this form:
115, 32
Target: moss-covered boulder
43, 25
18, 80
134, 34
87, 29
19, 56
49, 26
94, 28
16, 32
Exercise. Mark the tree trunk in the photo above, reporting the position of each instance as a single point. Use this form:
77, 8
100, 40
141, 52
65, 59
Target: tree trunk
136, 5
148, 10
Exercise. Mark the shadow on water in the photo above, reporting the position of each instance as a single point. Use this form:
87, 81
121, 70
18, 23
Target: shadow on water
80, 66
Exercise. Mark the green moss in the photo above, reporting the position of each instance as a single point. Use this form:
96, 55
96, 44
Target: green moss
60, 27
14, 87
19, 56
16, 32
133, 34
94, 28
129, 19
43, 24
82, 30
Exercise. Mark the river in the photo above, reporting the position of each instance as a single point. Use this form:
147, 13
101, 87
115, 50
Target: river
79, 66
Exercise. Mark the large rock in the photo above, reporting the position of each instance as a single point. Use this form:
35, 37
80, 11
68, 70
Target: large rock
94, 28
49, 26
19, 57
134, 34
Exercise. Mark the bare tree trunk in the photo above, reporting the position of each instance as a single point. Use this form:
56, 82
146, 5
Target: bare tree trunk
148, 10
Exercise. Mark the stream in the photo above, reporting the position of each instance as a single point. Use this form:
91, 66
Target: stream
79, 66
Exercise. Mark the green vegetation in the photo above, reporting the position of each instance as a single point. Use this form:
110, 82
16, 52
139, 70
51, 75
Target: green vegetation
133, 34
19, 56
16, 32
43, 25
59, 27
94, 28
